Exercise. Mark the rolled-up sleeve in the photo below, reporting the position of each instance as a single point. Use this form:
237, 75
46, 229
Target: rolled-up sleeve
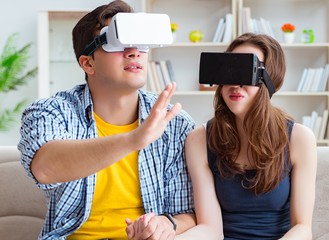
41, 122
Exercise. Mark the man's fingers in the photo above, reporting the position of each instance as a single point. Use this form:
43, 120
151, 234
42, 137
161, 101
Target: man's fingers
165, 96
158, 229
130, 228
171, 89
162, 99
128, 221
147, 217
173, 111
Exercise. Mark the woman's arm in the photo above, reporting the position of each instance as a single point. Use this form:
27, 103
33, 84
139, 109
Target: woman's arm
207, 208
303, 155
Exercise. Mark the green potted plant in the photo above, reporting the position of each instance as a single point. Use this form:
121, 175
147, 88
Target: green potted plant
13, 74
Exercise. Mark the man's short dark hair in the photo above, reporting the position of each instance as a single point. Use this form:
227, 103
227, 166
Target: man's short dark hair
89, 25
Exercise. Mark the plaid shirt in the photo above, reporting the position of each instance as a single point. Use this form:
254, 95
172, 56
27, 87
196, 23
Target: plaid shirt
164, 180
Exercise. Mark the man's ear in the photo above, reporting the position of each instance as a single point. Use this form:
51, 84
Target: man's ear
86, 63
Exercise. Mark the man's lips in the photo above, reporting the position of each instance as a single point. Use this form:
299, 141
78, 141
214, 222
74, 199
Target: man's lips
133, 66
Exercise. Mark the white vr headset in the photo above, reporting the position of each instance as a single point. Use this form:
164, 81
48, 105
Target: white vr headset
133, 30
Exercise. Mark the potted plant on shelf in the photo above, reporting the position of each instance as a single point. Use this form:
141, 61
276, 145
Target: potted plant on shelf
13, 62
288, 32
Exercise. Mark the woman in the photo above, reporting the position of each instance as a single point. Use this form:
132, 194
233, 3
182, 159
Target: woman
252, 166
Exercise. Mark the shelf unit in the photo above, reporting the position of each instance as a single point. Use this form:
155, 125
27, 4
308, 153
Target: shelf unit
304, 14
191, 15
58, 68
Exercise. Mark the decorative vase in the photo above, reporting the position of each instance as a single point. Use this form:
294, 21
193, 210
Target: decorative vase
288, 37
173, 36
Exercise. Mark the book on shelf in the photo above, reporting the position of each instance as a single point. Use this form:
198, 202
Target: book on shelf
324, 125
165, 72
150, 85
324, 78
171, 71
314, 117
317, 127
245, 22
156, 77
314, 79
310, 77
228, 34
218, 35
266, 27
249, 24
302, 80
160, 74
315, 83
317, 123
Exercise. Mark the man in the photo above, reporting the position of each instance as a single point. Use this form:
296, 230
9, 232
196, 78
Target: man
107, 153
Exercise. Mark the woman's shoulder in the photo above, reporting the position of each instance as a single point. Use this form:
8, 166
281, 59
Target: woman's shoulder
197, 134
302, 134
196, 140
302, 143
196, 148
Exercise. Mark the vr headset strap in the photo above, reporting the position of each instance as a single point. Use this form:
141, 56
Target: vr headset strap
265, 78
96, 43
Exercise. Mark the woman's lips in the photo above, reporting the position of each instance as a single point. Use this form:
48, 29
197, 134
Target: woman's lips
236, 96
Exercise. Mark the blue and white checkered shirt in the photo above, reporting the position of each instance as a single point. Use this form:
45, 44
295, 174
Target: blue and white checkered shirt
164, 180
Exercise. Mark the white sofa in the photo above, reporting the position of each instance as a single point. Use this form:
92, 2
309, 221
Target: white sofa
23, 206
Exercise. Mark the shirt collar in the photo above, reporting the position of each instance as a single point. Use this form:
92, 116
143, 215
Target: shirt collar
87, 103
145, 105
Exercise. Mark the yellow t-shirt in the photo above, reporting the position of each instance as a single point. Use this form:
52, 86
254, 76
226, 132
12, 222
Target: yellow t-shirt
117, 193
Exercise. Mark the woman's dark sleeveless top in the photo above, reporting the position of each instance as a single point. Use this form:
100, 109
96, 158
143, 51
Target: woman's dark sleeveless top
247, 216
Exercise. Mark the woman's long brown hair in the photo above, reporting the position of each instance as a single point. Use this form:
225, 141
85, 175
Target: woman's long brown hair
265, 125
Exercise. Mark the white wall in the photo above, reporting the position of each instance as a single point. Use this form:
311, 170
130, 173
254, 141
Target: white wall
21, 16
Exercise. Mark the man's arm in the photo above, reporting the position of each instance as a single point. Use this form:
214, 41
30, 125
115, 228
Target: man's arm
67, 160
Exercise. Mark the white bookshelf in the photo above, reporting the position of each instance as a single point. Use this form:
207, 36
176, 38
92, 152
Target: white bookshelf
58, 68
304, 14
184, 55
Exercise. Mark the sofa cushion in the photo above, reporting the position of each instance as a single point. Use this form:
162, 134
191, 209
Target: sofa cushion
20, 227
23, 204
321, 210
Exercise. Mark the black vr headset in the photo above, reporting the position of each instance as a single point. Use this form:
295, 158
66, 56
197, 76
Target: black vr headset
233, 69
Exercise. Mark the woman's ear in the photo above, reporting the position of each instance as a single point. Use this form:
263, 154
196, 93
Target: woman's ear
86, 63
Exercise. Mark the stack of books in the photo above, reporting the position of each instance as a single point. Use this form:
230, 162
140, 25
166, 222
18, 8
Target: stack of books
318, 124
159, 75
248, 24
224, 30
314, 79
